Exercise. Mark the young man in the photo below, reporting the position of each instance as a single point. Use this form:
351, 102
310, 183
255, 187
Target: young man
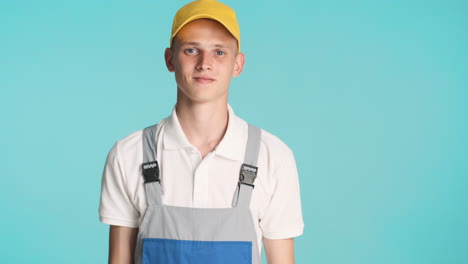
201, 186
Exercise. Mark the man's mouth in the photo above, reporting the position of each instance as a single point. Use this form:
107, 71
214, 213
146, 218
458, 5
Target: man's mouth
203, 79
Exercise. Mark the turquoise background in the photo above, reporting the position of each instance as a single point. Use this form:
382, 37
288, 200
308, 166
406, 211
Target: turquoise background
370, 95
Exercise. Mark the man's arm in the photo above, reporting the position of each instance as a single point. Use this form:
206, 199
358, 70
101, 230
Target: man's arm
279, 251
122, 241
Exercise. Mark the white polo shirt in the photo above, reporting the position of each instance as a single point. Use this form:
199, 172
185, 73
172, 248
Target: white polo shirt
188, 180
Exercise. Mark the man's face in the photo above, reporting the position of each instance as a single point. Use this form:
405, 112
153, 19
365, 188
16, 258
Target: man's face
204, 58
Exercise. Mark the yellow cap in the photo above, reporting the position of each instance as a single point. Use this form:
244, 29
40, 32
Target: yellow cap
211, 9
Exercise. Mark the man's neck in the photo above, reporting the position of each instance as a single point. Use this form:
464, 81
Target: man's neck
204, 125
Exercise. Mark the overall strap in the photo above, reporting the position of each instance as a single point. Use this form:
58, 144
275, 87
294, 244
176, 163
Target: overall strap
249, 169
150, 167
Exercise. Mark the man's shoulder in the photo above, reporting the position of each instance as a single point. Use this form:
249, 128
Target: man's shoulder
268, 139
133, 141
274, 145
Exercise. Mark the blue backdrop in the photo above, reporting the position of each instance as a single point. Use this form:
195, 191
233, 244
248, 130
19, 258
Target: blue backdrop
370, 95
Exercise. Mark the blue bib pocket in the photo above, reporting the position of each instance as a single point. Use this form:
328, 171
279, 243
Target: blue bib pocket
170, 251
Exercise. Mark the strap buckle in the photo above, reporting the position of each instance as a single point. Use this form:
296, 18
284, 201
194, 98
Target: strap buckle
150, 171
248, 173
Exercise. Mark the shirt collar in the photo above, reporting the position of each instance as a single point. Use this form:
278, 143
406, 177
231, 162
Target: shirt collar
231, 145
174, 137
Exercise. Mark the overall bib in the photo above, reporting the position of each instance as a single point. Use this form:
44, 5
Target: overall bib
183, 235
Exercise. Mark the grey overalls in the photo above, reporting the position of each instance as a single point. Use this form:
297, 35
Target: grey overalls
182, 235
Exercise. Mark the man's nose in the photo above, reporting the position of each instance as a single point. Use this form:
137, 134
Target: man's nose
204, 61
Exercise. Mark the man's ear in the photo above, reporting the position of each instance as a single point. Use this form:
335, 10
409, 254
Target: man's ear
169, 58
239, 64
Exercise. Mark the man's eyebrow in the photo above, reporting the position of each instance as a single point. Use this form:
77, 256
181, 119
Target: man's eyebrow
193, 43
220, 46
190, 43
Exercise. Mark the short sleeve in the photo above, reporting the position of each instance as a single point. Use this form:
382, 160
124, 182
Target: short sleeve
116, 207
283, 216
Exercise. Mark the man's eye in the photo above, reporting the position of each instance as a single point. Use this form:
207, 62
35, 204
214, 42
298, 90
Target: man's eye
191, 51
219, 52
